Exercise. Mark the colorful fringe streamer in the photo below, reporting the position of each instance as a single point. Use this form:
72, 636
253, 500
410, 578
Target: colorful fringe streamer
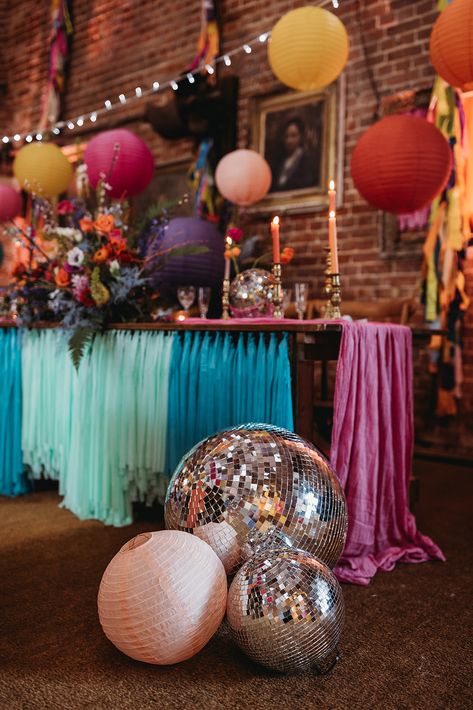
12, 479
114, 432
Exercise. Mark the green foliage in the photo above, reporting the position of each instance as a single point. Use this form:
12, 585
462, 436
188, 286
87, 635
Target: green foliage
78, 342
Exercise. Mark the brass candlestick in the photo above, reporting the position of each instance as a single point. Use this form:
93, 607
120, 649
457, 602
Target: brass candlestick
277, 292
335, 298
226, 299
327, 311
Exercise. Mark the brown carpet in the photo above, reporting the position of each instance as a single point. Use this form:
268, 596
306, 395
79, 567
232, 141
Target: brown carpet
407, 641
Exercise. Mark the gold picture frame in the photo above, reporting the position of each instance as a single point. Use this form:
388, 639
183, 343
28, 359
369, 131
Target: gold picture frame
300, 182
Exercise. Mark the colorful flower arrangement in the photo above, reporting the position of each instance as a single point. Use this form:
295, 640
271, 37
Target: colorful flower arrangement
86, 268
250, 252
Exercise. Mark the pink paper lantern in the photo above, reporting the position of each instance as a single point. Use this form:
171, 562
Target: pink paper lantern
243, 177
10, 202
122, 159
162, 597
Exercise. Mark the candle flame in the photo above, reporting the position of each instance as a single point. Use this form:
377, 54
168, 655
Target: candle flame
331, 214
275, 220
331, 185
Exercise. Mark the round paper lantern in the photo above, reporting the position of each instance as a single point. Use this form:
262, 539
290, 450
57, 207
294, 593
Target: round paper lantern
42, 169
10, 202
205, 269
162, 597
285, 610
243, 177
451, 44
258, 485
308, 48
401, 163
122, 159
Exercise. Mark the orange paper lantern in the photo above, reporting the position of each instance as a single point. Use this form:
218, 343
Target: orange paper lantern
243, 177
308, 48
162, 597
451, 44
401, 163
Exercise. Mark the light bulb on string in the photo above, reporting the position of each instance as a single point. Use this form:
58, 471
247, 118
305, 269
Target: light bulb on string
122, 98
108, 104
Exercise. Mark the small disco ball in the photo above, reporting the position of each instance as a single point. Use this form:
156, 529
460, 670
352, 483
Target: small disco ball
256, 486
251, 294
286, 611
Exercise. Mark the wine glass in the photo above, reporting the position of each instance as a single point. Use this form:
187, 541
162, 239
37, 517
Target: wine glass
186, 297
204, 300
301, 295
286, 299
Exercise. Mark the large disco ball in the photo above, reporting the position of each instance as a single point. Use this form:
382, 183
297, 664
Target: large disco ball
251, 294
255, 486
285, 610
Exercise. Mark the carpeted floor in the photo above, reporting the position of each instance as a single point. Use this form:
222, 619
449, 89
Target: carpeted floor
407, 641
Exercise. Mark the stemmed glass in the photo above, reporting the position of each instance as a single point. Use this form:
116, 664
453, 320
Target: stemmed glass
204, 300
302, 293
186, 297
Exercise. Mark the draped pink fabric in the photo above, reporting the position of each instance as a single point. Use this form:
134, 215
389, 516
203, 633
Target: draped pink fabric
372, 447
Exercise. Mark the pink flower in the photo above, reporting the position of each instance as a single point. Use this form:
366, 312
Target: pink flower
235, 234
65, 207
80, 286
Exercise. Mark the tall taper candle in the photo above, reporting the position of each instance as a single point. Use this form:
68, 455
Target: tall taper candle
332, 240
332, 196
275, 236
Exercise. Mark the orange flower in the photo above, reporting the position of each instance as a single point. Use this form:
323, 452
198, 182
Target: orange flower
104, 223
86, 224
287, 255
62, 278
235, 252
118, 244
101, 255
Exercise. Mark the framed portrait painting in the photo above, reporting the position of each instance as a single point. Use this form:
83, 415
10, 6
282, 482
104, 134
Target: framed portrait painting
301, 136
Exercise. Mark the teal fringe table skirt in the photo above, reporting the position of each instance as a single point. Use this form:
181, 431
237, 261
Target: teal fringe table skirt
113, 433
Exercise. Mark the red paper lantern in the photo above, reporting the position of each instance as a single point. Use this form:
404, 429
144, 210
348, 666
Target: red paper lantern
10, 202
451, 44
401, 163
122, 159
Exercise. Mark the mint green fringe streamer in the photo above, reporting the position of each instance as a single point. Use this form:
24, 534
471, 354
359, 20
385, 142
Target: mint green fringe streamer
12, 478
101, 432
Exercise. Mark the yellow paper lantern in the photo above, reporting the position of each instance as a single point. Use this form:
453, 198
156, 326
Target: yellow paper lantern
42, 169
308, 48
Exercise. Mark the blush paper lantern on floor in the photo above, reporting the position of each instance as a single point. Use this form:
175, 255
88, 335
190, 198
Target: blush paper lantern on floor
205, 269
401, 163
10, 202
258, 485
243, 177
451, 44
162, 597
122, 159
286, 611
42, 169
308, 48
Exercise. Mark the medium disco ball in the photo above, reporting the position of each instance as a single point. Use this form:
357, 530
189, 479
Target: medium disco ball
251, 294
256, 486
286, 611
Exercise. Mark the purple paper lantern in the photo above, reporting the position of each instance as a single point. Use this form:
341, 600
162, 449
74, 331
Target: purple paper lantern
122, 159
10, 202
204, 269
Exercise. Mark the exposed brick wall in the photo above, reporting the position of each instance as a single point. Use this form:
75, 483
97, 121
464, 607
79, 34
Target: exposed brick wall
118, 46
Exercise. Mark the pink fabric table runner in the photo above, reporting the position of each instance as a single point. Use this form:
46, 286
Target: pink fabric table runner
372, 448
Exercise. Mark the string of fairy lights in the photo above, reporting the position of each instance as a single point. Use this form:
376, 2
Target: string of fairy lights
123, 99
